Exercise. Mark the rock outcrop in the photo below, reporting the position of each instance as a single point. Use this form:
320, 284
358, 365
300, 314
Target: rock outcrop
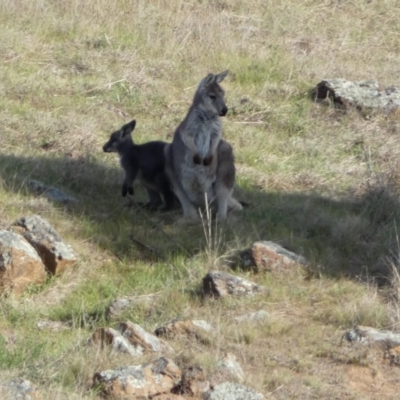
232, 390
56, 255
139, 381
20, 264
19, 389
222, 284
365, 96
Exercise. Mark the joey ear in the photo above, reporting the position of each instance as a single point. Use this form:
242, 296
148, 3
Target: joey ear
220, 77
128, 128
208, 80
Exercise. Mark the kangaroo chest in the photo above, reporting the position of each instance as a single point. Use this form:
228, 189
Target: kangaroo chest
204, 134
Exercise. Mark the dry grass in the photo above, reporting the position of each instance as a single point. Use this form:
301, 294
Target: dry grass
322, 182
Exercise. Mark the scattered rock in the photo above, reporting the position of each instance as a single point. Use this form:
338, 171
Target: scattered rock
50, 192
139, 381
231, 390
56, 255
20, 264
269, 256
55, 326
230, 364
194, 382
110, 337
257, 316
195, 328
168, 396
370, 335
137, 336
19, 389
365, 96
221, 284
123, 303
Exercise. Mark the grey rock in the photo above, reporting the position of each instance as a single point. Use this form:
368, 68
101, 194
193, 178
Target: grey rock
56, 255
139, 381
50, 192
55, 326
366, 96
230, 364
19, 389
232, 391
104, 337
221, 284
138, 337
368, 335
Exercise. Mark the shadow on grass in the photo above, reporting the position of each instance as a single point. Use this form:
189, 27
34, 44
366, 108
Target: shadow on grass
355, 236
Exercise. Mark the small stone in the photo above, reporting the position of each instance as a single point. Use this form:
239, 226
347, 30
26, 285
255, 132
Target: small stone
234, 391
194, 381
270, 256
222, 284
137, 336
50, 192
110, 337
230, 364
19, 389
188, 327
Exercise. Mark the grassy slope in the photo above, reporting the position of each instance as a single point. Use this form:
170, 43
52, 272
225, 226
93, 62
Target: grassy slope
320, 182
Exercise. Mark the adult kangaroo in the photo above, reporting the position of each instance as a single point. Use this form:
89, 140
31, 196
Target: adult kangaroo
198, 161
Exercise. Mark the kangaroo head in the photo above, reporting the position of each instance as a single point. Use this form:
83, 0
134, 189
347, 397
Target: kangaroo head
210, 94
119, 138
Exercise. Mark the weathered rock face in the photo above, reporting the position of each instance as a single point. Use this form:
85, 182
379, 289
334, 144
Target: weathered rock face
269, 256
194, 382
231, 390
365, 96
19, 389
195, 328
104, 337
221, 284
230, 364
137, 336
139, 381
56, 255
368, 335
20, 265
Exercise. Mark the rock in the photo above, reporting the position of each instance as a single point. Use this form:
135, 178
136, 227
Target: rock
56, 255
269, 256
368, 335
104, 337
137, 336
195, 328
365, 96
20, 264
221, 284
128, 302
168, 396
50, 192
194, 382
257, 316
55, 326
19, 389
232, 391
230, 364
139, 381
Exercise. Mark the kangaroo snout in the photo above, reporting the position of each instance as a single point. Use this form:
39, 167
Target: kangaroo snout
223, 111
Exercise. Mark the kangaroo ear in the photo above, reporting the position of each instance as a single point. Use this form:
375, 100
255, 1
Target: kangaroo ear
128, 128
208, 80
220, 77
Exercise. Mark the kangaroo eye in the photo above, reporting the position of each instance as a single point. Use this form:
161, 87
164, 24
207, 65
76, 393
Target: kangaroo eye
213, 96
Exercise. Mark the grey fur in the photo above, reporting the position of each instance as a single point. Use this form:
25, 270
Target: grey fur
198, 161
